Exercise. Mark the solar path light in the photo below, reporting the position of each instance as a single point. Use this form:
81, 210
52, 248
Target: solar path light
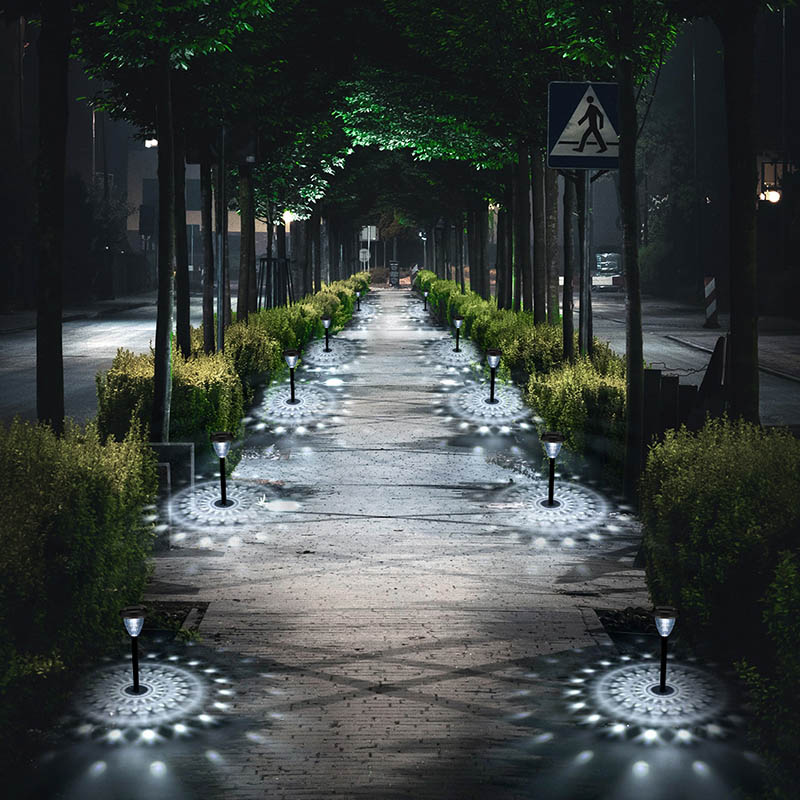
425, 300
552, 442
291, 356
133, 618
664, 617
358, 299
326, 323
457, 320
493, 357
222, 444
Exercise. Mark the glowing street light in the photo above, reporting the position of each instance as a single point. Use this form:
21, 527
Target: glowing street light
222, 444
291, 357
358, 299
425, 300
326, 323
664, 617
552, 442
133, 619
493, 357
457, 321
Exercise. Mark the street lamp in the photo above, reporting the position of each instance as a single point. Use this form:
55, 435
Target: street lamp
493, 357
425, 300
358, 299
222, 444
664, 617
552, 442
133, 619
424, 249
326, 323
457, 320
291, 356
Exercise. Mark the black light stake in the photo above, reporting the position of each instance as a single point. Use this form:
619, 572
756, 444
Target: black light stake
493, 356
664, 617
425, 300
358, 299
326, 323
133, 619
222, 444
552, 442
291, 357
457, 320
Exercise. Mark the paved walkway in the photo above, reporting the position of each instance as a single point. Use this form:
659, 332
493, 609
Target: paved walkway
391, 613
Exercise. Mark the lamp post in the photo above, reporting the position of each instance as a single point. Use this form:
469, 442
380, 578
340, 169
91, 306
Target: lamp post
552, 442
358, 299
133, 619
664, 617
425, 300
493, 357
424, 249
222, 444
457, 320
291, 356
326, 323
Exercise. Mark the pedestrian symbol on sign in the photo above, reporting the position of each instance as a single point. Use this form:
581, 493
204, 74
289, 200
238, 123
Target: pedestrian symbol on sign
593, 116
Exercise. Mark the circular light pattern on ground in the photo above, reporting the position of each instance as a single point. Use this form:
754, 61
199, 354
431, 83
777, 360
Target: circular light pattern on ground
312, 402
341, 352
470, 403
442, 352
198, 505
579, 508
174, 693
627, 693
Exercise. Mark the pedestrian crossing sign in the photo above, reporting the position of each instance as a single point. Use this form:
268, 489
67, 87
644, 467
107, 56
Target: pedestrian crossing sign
582, 125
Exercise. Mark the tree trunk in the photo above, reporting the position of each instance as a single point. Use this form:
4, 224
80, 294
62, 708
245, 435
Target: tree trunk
736, 23
553, 254
162, 379
267, 291
482, 241
243, 293
500, 262
539, 238
508, 204
282, 271
627, 185
226, 255
568, 324
583, 308
182, 333
315, 238
522, 231
54, 47
208, 256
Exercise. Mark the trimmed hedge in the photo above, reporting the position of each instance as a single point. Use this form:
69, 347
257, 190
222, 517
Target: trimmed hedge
73, 549
584, 400
722, 542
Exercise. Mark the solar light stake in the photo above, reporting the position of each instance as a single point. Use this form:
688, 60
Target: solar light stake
457, 320
222, 444
552, 442
425, 300
291, 356
493, 357
326, 322
358, 299
664, 617
133, 619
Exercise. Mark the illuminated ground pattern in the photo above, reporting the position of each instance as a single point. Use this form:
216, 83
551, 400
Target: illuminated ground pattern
470, 403
313, 402
341, 352
197, 506
442, 352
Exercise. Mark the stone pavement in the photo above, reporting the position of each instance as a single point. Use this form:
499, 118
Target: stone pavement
392, 613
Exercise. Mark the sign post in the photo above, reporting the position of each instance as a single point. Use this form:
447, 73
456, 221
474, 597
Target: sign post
582, 121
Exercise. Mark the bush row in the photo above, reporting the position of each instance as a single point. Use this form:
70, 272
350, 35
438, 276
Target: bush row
209, 392
722, 544
73, 548
584, 400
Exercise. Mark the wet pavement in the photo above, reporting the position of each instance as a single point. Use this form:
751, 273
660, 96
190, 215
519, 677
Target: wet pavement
387, 610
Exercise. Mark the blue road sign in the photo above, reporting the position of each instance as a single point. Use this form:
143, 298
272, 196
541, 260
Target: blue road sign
582, 125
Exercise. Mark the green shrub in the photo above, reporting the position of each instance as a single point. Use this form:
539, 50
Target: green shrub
718, 507
585, 405
206, 395
72, 543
